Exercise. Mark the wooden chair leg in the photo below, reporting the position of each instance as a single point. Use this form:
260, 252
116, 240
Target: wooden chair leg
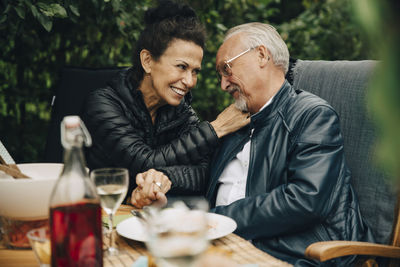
396, 225
396, 232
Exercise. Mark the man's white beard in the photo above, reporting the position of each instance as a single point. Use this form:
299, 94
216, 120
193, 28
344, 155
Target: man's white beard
241, 104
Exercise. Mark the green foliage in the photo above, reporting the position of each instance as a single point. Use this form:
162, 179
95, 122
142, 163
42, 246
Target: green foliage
325, 30
39, 37
384, 92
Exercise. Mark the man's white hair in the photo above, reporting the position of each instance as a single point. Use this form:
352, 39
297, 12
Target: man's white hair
256, 33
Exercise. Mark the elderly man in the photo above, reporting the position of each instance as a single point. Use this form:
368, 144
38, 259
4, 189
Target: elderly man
283, 178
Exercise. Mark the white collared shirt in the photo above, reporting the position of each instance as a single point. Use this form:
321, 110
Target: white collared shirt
234, 177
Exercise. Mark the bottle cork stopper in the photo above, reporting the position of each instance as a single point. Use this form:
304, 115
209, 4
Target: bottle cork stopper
72, 121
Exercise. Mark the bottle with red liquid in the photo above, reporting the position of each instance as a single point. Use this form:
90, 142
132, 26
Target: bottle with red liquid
75, 211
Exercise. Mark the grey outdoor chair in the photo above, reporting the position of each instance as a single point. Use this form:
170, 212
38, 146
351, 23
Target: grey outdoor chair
343, 84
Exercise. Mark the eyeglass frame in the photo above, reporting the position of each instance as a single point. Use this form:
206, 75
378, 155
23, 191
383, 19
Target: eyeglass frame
227, 65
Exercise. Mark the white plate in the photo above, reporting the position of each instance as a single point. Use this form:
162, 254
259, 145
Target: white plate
219, 226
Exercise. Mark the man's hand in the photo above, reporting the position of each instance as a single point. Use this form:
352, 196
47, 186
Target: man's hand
151, 188
230, 120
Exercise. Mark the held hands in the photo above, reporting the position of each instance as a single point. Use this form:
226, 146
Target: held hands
230, 120
151, 188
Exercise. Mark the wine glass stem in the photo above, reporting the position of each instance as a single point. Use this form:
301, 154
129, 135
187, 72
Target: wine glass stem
110, 225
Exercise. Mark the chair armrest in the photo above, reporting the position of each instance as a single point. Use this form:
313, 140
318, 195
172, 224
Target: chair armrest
327, 250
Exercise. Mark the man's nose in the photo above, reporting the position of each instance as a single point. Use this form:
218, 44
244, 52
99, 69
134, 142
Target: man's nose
224, 83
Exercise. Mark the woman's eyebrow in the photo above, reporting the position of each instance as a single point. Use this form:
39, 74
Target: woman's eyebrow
187, 64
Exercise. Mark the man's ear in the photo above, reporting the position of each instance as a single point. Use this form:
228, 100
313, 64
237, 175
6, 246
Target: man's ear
264, 56
146, 59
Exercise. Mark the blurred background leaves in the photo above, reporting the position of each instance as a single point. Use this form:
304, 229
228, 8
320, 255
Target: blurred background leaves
39, 38
380, 23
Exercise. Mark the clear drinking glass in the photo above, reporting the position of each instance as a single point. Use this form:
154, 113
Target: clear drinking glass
39, 240
178, 232
112, 186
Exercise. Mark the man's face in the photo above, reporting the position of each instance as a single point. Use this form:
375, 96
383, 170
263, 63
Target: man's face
236, 74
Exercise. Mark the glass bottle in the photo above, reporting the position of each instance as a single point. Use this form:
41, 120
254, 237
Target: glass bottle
75, 212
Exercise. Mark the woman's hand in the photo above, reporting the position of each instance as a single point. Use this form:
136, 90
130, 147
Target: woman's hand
230, 120
151, 188
139, 200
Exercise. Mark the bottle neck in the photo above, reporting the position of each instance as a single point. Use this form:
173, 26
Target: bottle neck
74, 160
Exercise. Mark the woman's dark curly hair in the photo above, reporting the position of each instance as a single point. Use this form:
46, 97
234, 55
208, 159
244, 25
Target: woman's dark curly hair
163, 24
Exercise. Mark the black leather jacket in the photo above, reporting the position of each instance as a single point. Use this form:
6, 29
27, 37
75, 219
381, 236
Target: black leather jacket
298, 187
123, 134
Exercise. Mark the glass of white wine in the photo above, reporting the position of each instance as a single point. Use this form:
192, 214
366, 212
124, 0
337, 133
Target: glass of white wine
112, 186
177, 233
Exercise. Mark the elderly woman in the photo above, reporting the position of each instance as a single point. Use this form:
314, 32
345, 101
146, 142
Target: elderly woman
143, 120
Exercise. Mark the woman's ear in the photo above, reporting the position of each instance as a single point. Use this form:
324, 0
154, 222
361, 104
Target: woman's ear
263, 55
146, 59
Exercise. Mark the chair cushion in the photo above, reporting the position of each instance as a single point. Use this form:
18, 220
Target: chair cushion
343, 84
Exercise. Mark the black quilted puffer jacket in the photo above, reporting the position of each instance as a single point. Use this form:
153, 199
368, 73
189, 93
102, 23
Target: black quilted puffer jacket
123, 134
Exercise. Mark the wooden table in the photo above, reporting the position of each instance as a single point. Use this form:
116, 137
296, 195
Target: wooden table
231, 246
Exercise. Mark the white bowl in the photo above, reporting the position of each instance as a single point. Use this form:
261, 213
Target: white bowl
28, 199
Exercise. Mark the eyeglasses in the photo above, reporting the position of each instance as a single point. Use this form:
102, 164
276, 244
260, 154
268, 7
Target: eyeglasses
226, 69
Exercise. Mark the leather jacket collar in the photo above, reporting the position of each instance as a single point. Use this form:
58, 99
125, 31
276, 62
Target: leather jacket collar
276, 105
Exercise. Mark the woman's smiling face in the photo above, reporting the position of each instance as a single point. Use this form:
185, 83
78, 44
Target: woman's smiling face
175, 72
